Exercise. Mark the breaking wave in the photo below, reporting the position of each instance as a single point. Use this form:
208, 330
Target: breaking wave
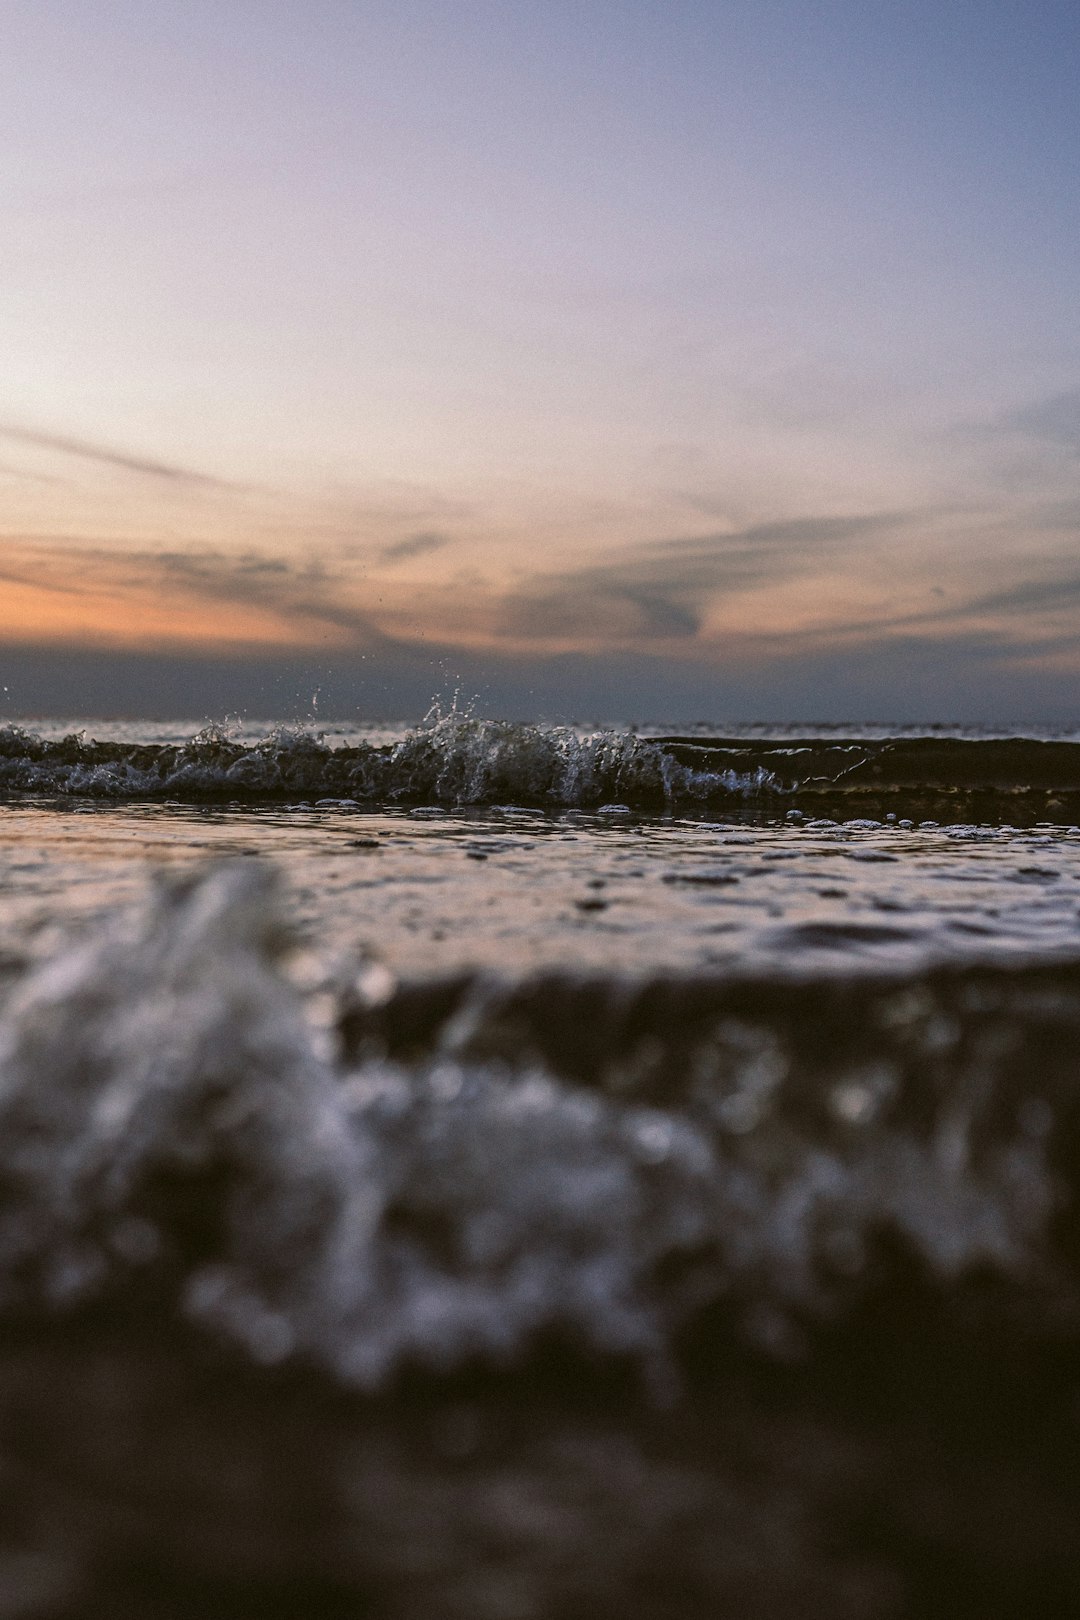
456, 760
461, 760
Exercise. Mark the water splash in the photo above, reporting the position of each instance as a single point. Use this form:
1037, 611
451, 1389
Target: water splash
177, 1124
452, 758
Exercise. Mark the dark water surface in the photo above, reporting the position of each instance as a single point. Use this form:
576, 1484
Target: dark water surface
502, 1172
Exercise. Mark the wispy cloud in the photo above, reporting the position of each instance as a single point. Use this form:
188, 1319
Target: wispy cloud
249, 595
664, 599
85, 450
1060, 589
415, 545
302, 596
662, 591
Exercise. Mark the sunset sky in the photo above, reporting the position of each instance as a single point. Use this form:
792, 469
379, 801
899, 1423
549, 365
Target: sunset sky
655, 359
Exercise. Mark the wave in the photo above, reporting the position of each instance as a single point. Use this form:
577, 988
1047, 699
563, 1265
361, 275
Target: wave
456, 760
461, 760
324, 1293
438, 1172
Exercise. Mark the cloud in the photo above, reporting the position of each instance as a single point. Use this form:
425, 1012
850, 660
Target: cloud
663, 599
249, 594
415, 545
40, 579
660, 591
84, 450
747, 557
302, 595
655, 594
1028, 618
1032, 595
592, 611
611, 635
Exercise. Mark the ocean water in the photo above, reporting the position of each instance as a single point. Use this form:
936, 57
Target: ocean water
500, 1172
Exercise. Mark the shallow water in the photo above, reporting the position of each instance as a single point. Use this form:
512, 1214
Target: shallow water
661, 1205
515, 890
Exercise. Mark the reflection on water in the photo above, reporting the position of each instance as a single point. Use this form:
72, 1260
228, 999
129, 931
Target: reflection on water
513, 889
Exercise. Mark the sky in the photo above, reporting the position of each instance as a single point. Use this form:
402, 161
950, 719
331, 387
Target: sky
643, 359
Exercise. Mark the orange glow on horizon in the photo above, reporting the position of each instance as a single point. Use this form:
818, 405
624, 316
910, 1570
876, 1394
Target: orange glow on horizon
140, 620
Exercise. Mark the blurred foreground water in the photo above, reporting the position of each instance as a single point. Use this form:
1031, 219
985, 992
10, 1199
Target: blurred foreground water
532, 1180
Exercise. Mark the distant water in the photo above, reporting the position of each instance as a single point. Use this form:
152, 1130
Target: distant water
499, 1171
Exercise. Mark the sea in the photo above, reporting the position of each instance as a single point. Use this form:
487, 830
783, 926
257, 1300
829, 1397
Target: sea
486, 1171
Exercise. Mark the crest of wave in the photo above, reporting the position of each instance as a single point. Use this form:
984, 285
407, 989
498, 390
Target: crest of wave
460, 759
